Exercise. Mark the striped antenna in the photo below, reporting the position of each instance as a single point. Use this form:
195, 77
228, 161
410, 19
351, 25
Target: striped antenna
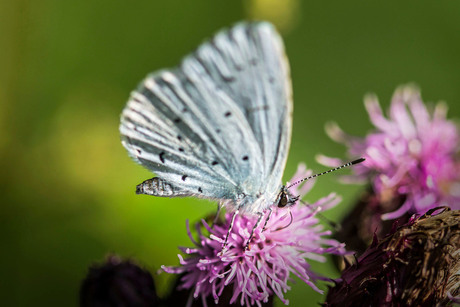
329, 171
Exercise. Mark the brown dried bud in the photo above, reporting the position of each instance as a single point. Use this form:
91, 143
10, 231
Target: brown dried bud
118, 283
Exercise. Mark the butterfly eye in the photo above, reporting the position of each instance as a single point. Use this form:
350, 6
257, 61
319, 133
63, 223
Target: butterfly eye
283, 201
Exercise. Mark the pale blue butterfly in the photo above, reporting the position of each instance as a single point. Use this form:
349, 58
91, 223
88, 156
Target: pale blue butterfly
219, 125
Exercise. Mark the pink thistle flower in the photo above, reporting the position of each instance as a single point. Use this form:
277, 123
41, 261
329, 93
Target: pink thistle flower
264, 269
412, 154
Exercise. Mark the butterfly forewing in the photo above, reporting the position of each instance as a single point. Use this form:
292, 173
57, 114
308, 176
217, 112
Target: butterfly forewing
219, 125
249, 62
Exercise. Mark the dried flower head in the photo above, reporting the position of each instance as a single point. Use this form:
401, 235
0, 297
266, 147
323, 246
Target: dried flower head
411, 156
417, 265
255, 274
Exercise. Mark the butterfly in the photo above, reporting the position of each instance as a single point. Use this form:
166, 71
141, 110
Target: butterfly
219, 125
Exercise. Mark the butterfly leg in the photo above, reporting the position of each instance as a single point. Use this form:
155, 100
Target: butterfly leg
259, 220
270, 211
219, 207
224, 246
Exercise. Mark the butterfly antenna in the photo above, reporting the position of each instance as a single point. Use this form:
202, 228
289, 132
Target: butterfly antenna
326, 172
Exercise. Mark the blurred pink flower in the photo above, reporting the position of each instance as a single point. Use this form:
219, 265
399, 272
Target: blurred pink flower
264, 269
412, 155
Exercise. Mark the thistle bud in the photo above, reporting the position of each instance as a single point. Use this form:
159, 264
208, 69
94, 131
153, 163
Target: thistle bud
117, 283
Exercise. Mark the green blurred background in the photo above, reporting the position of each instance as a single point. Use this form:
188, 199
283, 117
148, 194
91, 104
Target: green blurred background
67, 68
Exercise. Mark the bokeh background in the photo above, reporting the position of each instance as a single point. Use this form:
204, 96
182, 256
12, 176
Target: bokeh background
67, 68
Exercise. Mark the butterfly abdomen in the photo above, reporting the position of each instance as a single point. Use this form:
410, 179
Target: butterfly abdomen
158, 187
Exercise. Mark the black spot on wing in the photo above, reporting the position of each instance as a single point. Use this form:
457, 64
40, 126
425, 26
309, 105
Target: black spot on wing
184, 177
245, 158
162, 157
228, 79
200, 190
228, 114
214, 162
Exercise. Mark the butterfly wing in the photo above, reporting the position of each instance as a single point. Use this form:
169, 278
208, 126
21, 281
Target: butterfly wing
249, 61
219, 125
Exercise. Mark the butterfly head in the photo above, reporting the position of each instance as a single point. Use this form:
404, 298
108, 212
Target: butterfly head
285, 199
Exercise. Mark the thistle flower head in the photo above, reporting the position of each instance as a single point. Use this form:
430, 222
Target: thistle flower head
417, 265
412, 154
265, 268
